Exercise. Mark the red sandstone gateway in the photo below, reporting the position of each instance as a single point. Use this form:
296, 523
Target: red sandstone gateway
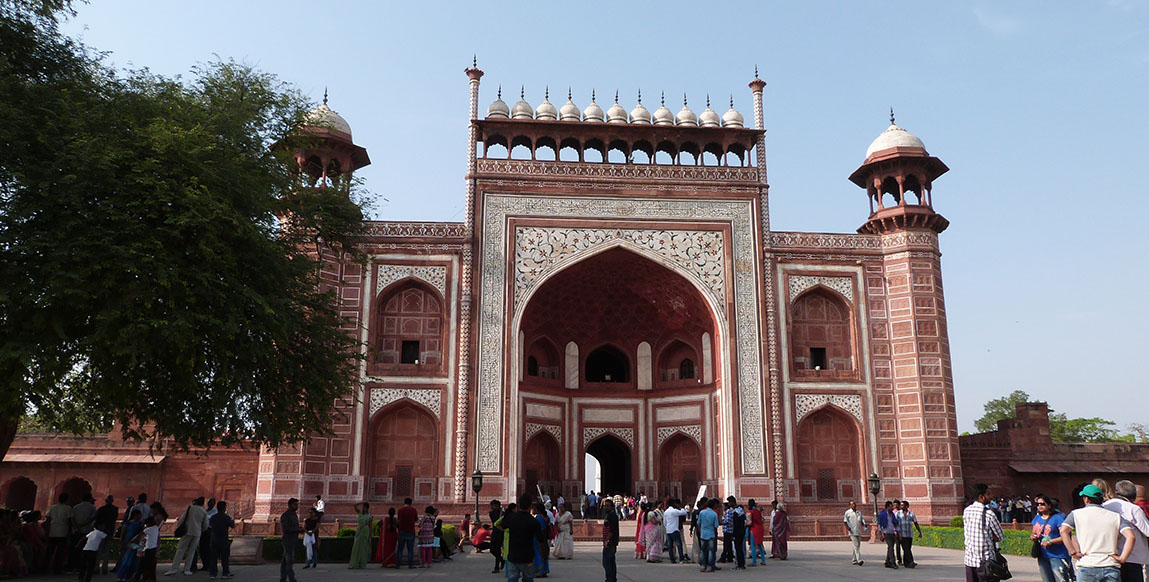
615, 291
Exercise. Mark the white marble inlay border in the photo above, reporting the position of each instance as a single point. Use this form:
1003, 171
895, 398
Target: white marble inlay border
590, 433
431, 398
804, 404
694, 431
435, 276
800, 283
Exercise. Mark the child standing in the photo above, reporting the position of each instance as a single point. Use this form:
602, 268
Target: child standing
91, 551
150, 545
427, 537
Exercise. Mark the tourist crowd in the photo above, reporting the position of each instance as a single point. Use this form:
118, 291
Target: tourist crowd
1104, 538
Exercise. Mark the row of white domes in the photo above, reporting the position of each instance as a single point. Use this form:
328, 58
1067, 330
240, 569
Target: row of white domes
546, 111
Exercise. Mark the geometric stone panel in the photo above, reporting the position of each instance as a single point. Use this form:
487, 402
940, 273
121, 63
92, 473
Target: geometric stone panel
804, 404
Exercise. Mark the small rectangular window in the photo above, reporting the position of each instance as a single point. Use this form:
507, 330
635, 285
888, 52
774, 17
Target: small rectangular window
411, 352
818, 358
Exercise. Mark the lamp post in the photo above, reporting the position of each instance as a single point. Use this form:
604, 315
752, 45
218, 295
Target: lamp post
476, 486
875, 487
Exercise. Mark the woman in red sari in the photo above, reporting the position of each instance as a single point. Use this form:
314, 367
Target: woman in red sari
388, 539
780, 533
639, 547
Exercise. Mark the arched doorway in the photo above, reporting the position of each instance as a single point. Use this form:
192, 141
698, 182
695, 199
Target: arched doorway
20, 494
613, 457
405, 445
829, 456
542, 460
679, 467
76, 488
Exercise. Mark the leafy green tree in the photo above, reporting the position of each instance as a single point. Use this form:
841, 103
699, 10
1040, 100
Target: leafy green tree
1084, 430
1000, 409
146, 276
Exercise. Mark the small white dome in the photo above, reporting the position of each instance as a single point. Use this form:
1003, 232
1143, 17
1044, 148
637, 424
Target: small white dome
498, 108
616, 114
324, 117
569, 111
522, 109
663, 115
709, 118
686, 116
732, 118
894, 137
639, 114
546, 110
593, 113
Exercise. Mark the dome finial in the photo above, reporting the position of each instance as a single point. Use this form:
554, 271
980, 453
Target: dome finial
892, 116
732, 101
325, 95
547, 93
523, 92
708, 100
755, 71
592, 95
616, 95
500, 91
663, 99
640, 96
474, 61
684, 99
568, 93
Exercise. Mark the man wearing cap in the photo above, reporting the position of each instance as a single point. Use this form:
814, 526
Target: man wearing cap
1099, 535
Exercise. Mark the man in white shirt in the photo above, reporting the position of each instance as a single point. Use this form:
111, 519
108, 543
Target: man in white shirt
1124, 492
320, 505
1098, 535
195, 518
855, 528
671, 519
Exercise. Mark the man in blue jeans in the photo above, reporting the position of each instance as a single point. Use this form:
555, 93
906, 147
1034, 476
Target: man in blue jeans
609, 540
407, 516
525, 534
707, 526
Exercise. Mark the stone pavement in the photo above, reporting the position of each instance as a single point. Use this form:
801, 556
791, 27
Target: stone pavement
809, 562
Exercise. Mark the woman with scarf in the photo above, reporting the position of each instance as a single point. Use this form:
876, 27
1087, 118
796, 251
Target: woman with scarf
780, 534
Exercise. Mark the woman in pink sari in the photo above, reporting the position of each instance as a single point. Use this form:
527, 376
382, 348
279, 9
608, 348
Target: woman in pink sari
652, 539
780, 534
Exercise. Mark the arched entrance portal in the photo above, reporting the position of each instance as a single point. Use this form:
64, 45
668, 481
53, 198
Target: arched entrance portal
680, 467
829, 456
405, 446
613, 457
20, 494
76, 488
541, 462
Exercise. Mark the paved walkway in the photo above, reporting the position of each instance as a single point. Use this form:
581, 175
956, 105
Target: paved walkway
809, 562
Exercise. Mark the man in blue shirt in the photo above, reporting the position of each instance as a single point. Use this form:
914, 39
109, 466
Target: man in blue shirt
707, 532
888, 521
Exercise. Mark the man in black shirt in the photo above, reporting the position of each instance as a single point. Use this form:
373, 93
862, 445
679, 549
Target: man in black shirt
289, 522
609, 540
496, 535
106, 517
525, 532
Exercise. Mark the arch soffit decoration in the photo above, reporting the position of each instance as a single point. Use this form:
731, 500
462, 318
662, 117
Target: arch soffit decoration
533, 428
841, 286
806, 404
693, 432
593, 433
697, 255
426, 399
388, 276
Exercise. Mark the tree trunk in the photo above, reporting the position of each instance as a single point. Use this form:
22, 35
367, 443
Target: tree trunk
8, 428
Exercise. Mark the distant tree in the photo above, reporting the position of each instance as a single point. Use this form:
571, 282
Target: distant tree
1084, 430
146, 277
1000, 409
1139, 431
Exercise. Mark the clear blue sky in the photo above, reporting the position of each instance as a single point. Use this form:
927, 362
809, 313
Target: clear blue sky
1038, 108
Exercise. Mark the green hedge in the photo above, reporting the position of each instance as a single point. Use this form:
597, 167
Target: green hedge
167, 548
1016, 542
336, 549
